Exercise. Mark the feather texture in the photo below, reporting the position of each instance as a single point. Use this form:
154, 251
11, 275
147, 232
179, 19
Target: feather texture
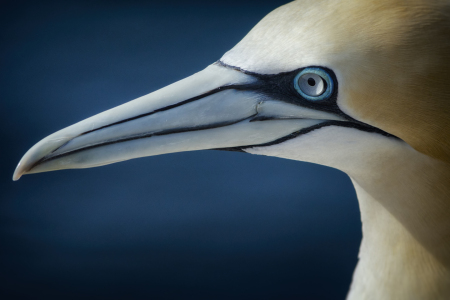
392, 59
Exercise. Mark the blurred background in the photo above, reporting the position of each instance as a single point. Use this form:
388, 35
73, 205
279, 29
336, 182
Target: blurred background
195, 225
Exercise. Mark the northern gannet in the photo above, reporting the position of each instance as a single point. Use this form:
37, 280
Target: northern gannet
361, 86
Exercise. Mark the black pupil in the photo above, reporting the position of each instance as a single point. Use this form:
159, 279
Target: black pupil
311, 82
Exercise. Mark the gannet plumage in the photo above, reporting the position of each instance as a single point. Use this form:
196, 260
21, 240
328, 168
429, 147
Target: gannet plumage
361, 86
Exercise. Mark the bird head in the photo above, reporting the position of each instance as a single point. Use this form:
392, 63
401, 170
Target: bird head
319, 76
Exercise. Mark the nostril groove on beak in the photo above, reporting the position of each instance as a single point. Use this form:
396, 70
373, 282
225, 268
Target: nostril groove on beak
258, 107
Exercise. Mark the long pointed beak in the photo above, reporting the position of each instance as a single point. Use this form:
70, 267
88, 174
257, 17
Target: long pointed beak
219, 107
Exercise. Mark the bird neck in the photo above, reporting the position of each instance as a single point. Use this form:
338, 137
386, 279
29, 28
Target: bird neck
404, 198
393, 264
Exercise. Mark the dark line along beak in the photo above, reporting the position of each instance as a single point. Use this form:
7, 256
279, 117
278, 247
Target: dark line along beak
218, 107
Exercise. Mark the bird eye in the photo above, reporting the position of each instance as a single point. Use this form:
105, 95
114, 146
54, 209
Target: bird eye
314, 84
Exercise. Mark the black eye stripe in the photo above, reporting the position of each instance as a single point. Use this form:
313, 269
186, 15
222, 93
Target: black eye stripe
281, 87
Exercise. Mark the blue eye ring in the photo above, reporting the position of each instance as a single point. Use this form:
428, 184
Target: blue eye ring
299, 83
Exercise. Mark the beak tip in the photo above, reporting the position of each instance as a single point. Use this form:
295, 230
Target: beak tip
21, 169
29, 159
18, 172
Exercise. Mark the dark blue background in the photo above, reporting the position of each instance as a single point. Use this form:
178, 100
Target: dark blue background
199, 225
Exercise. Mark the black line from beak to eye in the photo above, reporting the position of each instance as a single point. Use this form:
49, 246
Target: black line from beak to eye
279, 86
275, 86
